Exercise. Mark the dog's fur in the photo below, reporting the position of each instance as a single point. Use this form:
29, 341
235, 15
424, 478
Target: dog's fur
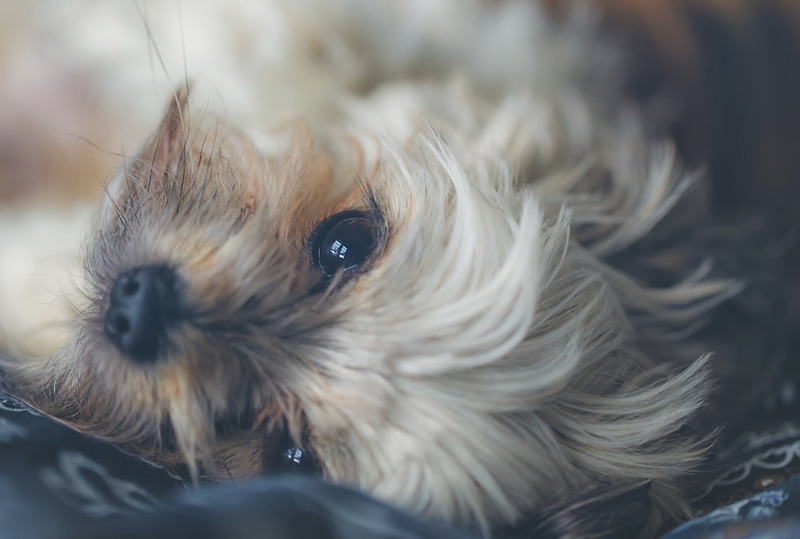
487, 360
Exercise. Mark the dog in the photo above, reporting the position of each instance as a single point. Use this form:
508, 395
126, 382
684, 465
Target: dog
427, 283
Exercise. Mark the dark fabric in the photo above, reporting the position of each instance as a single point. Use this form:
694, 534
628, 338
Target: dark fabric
58, 483
752, 490
772, 513
756, 461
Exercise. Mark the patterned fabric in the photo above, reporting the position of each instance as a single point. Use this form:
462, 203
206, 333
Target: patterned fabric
47, 469
58, 483
773, 513
755, 461
754, 492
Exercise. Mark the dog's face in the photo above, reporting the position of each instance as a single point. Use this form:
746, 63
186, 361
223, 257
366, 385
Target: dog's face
247, 305
403, 314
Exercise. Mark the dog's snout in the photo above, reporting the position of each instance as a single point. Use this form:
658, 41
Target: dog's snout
143, 302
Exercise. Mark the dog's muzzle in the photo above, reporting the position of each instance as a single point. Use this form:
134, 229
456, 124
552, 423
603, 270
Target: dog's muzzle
143, 303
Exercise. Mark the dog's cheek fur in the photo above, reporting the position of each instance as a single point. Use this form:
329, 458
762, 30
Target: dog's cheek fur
233, 350
510, 329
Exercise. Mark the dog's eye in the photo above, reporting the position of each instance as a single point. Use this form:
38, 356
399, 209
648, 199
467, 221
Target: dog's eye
297, 459
287, 456
343, 242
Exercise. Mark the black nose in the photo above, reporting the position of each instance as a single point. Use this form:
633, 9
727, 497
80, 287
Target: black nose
143, 303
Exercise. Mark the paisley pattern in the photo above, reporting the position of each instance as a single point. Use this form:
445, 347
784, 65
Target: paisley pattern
56, 482
754, 492
771, 513
86, 485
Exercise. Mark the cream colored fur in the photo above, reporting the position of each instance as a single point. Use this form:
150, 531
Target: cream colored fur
489, 361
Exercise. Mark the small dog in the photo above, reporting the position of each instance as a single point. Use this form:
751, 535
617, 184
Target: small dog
424, 288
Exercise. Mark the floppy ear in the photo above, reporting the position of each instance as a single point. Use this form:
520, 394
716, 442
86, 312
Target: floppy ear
618, 512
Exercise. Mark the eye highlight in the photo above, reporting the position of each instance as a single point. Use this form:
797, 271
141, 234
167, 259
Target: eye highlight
287, 456
343, 242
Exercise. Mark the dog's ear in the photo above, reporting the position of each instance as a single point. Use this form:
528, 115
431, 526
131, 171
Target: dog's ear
163, 154
618, 512
169, 141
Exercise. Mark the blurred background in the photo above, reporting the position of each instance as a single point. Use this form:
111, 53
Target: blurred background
729, 68
726, 71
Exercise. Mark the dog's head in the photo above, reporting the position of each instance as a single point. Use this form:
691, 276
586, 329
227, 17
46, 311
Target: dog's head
406, 314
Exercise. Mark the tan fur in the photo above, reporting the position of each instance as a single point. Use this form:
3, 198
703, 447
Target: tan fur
486, 361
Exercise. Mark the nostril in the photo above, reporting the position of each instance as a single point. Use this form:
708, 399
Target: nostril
129, 287
142, 304
117, 323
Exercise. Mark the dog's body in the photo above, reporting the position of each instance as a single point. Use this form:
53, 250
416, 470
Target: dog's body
412, 283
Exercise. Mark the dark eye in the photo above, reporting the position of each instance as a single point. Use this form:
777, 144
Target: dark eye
297, 459
288, 456
343, 242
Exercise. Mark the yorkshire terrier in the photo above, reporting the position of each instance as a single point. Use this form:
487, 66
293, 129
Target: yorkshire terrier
430, 288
